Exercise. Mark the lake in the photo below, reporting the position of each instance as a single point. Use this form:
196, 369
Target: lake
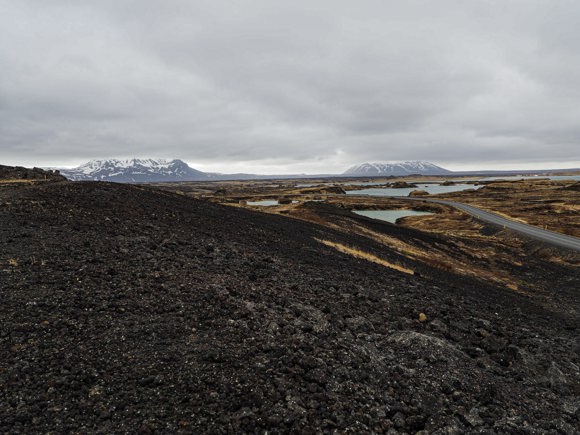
390, 215
531, 177
430, 188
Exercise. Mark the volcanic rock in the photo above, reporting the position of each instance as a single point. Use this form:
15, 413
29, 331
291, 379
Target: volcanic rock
130, 310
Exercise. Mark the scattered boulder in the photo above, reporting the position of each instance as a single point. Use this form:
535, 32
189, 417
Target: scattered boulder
419, 193
437, 347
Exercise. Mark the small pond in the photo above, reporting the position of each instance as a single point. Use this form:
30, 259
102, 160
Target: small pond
264, 203
390, 215
267, 202
364, 183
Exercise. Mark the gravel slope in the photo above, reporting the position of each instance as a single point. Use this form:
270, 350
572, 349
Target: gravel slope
131, 310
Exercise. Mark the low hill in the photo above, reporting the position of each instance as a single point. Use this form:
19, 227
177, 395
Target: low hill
126, 309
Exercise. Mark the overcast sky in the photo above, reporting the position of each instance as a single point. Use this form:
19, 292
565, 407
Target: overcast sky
291, 86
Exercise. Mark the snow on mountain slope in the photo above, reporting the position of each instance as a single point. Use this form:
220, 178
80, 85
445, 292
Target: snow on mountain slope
155, 170
134, 170
396, 169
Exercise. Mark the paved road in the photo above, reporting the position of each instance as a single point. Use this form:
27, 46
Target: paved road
551, 237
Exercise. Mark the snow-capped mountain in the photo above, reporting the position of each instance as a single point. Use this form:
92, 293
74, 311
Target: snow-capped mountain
155, 170
135, 170
396, 169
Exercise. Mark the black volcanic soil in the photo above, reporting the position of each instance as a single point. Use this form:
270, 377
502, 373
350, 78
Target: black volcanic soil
131, 310
21, 173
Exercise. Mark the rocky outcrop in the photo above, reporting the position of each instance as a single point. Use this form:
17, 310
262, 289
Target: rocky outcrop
324, 190
21, 173
402, 185
419, 193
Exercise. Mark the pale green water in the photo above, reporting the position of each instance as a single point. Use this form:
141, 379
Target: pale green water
390, 215
430, 188
264, 203
267, 202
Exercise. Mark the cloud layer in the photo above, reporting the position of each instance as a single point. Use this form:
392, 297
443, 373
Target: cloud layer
302, 86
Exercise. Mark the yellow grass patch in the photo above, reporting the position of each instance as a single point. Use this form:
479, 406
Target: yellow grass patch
364, 255
440, 260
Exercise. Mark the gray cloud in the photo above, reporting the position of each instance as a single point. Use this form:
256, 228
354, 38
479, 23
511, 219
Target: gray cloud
293, 86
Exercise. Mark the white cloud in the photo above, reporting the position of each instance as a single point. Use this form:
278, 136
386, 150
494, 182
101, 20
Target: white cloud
292, 87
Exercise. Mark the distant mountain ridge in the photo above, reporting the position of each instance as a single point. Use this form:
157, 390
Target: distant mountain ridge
396, 169
153, 170
159, 170
135, 170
